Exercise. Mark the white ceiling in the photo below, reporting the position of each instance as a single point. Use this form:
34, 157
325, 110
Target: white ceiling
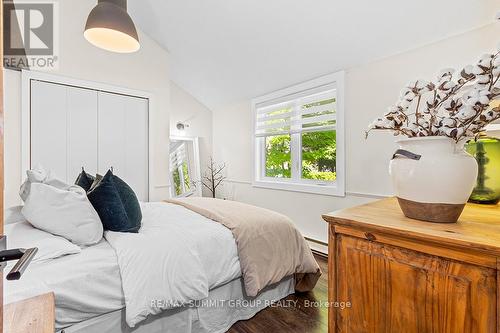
223, 51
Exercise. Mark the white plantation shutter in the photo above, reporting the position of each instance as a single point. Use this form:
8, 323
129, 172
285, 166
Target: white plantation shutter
313, 110
178, 157
317, 112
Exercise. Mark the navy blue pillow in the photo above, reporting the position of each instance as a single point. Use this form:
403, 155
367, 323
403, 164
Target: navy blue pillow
116, 204
129, 200
84, 180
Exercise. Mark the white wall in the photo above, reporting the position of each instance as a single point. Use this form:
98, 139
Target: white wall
146, 70
186, 109
370, 89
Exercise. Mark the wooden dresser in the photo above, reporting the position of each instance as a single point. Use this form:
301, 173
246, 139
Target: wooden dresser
406, 276
33, 315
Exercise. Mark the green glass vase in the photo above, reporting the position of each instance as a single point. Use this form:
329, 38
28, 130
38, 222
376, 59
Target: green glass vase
486, 150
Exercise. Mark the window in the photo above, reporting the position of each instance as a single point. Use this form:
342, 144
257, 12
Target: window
299, 137
179, 171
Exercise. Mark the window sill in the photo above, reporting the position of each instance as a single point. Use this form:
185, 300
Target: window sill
331, 190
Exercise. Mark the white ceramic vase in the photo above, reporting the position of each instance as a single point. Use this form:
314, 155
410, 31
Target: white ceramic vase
433, 178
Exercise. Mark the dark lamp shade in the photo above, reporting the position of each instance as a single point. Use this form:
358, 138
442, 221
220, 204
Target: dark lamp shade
109, 27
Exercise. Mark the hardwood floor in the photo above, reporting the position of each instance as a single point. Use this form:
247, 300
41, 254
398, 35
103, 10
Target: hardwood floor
294, 319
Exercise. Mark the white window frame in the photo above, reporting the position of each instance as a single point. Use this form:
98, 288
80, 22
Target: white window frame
297, 184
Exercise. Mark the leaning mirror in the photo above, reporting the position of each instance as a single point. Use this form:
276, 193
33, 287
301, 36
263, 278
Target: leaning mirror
185, 171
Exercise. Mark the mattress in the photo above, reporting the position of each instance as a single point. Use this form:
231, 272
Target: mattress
85, 285
224, 306
88, 284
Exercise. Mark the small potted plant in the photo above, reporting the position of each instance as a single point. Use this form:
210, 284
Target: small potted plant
432, 174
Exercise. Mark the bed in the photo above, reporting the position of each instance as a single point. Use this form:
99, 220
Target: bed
91, 287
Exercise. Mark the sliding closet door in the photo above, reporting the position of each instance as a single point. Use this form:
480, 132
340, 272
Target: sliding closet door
63, 129
82, 131
48, 127
123, 139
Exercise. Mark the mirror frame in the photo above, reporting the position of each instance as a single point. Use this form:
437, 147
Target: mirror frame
195, 174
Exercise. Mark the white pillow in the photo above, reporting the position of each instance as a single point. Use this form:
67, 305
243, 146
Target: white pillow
39, 175
13, 215
23, 235
67, 213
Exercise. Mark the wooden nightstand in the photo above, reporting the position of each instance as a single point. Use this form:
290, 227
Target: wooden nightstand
403, 275
33, 315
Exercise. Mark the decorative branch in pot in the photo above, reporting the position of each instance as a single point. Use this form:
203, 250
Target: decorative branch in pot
213, 176
432, 174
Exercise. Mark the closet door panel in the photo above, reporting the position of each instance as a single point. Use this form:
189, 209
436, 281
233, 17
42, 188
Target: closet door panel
123, 139
48, 127
136, 141
82, 131
111, 137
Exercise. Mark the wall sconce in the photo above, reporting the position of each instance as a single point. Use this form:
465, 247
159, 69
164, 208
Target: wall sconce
181, 126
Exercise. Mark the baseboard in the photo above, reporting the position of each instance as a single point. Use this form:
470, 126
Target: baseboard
320, 254
318, 247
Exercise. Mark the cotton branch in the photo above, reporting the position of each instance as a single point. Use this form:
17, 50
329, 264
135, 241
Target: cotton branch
459, 106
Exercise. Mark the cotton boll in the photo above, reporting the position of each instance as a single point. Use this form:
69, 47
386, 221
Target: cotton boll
405, 104
483, 97
452, 103
447, 131
469, 69
484, 100
449, 122
449, 85
472, 100
389, 123
496, 61
374, 124
411, 84
496, 71
472, 131
382, 123
477, 70
486, 60
441, 95
447, 104
453, 132
420, 84
446, 71
460, 132
466, 113
423, 123
404, 92
413, 127
392, 109
483, 79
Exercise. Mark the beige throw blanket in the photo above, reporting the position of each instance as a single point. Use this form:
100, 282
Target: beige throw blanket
269, 246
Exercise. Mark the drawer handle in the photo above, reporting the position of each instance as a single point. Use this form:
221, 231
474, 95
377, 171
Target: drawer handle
369, 236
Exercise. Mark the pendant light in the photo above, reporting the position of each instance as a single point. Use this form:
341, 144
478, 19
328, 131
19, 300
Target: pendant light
109, 27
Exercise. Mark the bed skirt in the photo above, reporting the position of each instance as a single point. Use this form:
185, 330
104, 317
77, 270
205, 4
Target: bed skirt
224, 306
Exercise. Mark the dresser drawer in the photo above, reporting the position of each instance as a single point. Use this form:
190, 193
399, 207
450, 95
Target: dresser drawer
394, 289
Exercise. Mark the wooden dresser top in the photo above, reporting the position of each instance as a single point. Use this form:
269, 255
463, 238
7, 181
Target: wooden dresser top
33, 315
478, 226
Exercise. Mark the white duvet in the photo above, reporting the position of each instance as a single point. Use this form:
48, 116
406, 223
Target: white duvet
176, 258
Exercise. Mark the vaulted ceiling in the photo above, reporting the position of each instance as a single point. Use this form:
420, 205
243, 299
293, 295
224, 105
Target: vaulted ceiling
223, 51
